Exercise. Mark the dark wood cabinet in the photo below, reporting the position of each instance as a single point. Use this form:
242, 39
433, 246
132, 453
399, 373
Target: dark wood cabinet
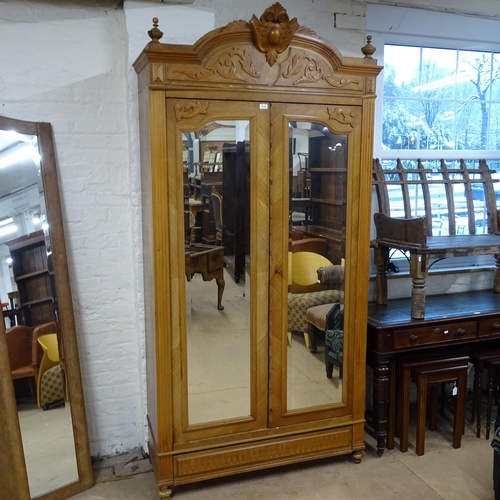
325, 207
33, 273
235, 211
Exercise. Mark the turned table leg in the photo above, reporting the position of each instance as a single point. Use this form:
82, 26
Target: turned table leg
220, 290
381, 380
418, 272
381, 258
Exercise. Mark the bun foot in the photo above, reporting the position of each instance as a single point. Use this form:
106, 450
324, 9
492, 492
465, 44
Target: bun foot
357, 456
165, 492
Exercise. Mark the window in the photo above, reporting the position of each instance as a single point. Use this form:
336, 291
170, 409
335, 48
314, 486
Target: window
439, 98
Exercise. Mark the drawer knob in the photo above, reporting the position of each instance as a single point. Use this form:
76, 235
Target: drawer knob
437, 330
496, 326
461, 331
413, 338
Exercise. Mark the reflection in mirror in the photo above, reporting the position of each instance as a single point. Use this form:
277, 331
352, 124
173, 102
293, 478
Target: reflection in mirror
216, 165
316, 258
37, 323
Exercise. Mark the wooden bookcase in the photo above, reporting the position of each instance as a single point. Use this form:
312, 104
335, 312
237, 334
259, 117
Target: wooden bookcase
33, 273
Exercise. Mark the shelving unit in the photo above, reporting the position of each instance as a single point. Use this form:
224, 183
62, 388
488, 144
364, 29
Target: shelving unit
33, 273
328, 173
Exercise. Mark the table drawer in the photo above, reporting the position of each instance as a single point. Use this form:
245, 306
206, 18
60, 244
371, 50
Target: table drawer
434, 334
489, 327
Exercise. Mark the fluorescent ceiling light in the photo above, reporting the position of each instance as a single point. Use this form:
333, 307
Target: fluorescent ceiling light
12, 228
23, 152
4, 222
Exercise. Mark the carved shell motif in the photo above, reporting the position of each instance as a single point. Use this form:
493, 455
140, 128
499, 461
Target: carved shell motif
273, 31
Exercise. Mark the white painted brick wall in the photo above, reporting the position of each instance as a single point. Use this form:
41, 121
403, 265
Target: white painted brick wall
71, 65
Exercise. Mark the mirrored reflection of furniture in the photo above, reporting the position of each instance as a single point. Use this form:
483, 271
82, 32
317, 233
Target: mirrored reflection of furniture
50, 380
12, 313
22, 362
303, 244
322, 211
33, 179
217, 204
32, 268
223, 395
305, 292
208, 261
324, 317
235, 211
334, 341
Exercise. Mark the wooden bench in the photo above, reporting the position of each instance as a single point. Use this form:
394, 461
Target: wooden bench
412, 221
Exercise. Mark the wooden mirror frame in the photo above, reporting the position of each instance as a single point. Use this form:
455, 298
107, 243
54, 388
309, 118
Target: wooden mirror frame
12, 465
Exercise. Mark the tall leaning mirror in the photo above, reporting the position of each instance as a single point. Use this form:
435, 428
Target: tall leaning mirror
43, 418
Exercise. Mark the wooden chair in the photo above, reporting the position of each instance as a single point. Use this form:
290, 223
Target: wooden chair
20, 349
315, 245
217, 208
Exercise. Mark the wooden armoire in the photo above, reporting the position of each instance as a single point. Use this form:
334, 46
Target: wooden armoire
230, 390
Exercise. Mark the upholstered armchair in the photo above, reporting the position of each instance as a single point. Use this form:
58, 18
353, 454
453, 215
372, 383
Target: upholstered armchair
314, 281
317, 317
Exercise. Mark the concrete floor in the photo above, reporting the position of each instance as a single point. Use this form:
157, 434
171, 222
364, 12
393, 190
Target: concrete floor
442, 473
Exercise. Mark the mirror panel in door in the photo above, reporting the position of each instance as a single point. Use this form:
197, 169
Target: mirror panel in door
216, 163
317, 220
39, 327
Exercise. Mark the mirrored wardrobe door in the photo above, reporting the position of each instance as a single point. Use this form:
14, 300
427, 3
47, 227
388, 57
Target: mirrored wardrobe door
220, 351
38, 316
310, 337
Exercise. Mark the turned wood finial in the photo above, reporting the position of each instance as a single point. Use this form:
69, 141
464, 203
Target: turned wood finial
154, 33
368, 50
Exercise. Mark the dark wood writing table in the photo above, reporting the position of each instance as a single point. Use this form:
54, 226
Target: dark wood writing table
450, 320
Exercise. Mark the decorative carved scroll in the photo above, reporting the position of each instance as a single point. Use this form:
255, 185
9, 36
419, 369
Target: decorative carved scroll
273, 31
345, 116
312, 72
190, 110
226, 66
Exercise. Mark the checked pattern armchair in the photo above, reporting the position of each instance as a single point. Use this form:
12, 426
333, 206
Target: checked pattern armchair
306, 290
